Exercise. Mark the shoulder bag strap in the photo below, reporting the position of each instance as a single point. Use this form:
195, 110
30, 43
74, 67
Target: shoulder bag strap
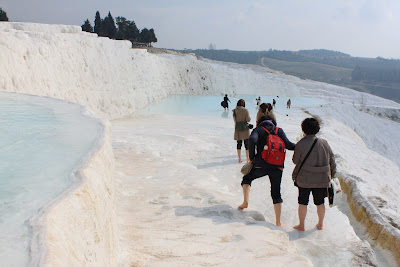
265, 129
304, 160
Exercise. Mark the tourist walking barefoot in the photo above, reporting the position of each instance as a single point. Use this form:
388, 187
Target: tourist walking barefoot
315, 165
241, 118
257, 142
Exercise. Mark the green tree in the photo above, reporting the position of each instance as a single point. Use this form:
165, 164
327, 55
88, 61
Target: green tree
133, 32
148, 36
122, 28
152, 36
109, 27
98, 23
3, 15
145, 36
87, 27
127, 30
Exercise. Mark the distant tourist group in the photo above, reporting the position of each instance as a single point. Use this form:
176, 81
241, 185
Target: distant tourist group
265, 150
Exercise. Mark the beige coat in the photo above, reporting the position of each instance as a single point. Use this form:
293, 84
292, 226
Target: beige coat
320, 165
242, 114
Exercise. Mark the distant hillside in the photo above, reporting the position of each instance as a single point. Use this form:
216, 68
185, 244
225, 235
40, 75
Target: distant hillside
377, 76
309, 70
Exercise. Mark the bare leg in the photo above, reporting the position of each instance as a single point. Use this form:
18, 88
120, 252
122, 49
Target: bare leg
239, 156
246, 193
247, 156
302, 217
321, 215
278, 211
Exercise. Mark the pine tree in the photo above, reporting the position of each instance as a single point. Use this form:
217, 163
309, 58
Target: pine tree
133, 33
87, 27
3, 15
98, 23
109, 26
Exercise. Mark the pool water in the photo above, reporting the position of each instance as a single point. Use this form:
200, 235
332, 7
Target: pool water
42, 141
191, 105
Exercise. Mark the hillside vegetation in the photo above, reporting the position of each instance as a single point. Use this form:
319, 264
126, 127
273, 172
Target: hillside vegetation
309, 70
377, 76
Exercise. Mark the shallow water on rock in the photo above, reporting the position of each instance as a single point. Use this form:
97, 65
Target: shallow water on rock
42, 140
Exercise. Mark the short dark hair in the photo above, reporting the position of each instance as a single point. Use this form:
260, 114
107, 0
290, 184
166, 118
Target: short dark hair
310, 126
241, 103
266, 118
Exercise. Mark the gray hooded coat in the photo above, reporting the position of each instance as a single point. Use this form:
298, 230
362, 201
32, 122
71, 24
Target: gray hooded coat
319, 167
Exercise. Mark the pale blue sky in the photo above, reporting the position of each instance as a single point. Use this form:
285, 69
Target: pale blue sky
367, 28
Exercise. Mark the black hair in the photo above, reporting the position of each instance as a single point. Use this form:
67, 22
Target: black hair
266, 118
263, 107
310, 126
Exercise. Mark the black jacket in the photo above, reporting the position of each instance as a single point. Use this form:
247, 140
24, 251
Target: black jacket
258, 138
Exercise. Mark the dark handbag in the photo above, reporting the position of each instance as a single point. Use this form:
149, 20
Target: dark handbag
330, 195
304, 160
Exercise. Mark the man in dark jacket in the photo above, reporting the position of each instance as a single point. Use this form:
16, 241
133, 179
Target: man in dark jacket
258, 139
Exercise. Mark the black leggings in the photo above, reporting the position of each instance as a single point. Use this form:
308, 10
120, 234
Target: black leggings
246, 144
275, 178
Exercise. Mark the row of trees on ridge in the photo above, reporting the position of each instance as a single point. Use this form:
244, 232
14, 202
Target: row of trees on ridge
120, 29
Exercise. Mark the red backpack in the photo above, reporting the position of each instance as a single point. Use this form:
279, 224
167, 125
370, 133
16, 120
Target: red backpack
275, 152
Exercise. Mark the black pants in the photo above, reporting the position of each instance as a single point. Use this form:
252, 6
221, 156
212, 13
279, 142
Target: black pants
319, 195
246, 144
275, 178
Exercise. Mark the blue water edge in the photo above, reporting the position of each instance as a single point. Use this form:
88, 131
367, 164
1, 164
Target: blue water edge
42, 141
192, 105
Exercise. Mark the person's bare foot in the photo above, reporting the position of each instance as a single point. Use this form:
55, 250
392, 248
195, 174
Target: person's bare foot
248, 160
320, 227
280, 225
240, 160
299, 227
243, 206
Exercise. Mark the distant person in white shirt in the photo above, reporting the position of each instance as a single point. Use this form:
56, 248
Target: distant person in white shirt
258, 101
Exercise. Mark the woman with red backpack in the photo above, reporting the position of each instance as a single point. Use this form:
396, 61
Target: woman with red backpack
260, 145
